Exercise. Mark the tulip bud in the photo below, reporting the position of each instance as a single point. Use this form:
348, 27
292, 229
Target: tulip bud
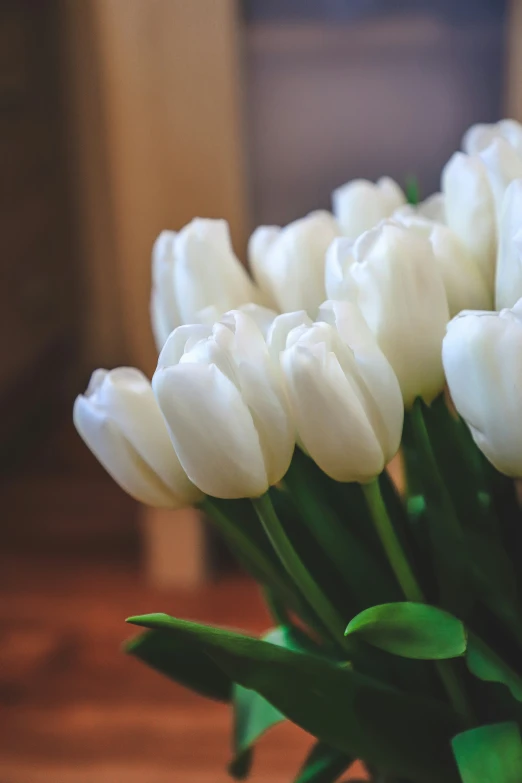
120, 421
393, 276
360, 204
281, 328
344, 395
196, 275
288, 263
339, 258
470, 210
465, 287
508, 289
503, 165
480, 136
258, 247
482, 355
226, 410
163, 304
263, 316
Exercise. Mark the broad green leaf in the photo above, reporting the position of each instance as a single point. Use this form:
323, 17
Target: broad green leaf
254, 715
181, 662
485, 664
411, 630
401, 734
489, 754
323, 765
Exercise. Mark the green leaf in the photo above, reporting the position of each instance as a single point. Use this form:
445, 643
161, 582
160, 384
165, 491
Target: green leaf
181, 662
489, 754
401, 734
254, 715
323, 765
485, 664
411, 630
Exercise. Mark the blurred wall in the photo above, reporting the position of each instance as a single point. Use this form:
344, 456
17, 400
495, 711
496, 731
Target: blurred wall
333, 96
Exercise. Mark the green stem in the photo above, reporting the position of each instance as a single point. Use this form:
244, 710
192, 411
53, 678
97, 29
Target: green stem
252, 554
410, 586
297, 570
390, 542
423, 443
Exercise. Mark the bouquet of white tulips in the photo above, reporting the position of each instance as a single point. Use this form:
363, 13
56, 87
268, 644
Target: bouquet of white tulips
278, 402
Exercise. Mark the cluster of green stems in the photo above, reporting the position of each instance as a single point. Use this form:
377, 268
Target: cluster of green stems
332, 622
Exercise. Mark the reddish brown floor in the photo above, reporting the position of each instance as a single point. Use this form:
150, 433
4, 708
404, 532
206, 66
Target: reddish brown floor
73, 708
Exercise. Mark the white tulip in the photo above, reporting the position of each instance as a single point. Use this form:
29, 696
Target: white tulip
482, 354
258, 246
508, 288
470, 209
465, 286
225, 406
263, 316
344, 395
360, 204
120, 421
339, 258
288, 263
281, 328
394, 278
503, 165
196, 275
164, 310
480, 136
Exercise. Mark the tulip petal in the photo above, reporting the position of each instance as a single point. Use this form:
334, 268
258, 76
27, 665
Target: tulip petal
379, 386
508, 288
402, 298
329, 416
482, 354
212, 430
290, 262
207, 272
470, 210
360, 204
127, 395
118, 457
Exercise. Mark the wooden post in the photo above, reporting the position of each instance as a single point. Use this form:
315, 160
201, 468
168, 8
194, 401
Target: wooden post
174, 548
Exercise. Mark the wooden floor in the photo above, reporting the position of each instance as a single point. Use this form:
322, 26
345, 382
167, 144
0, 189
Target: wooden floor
73, 708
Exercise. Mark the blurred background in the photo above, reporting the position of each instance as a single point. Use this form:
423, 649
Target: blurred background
119, 118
